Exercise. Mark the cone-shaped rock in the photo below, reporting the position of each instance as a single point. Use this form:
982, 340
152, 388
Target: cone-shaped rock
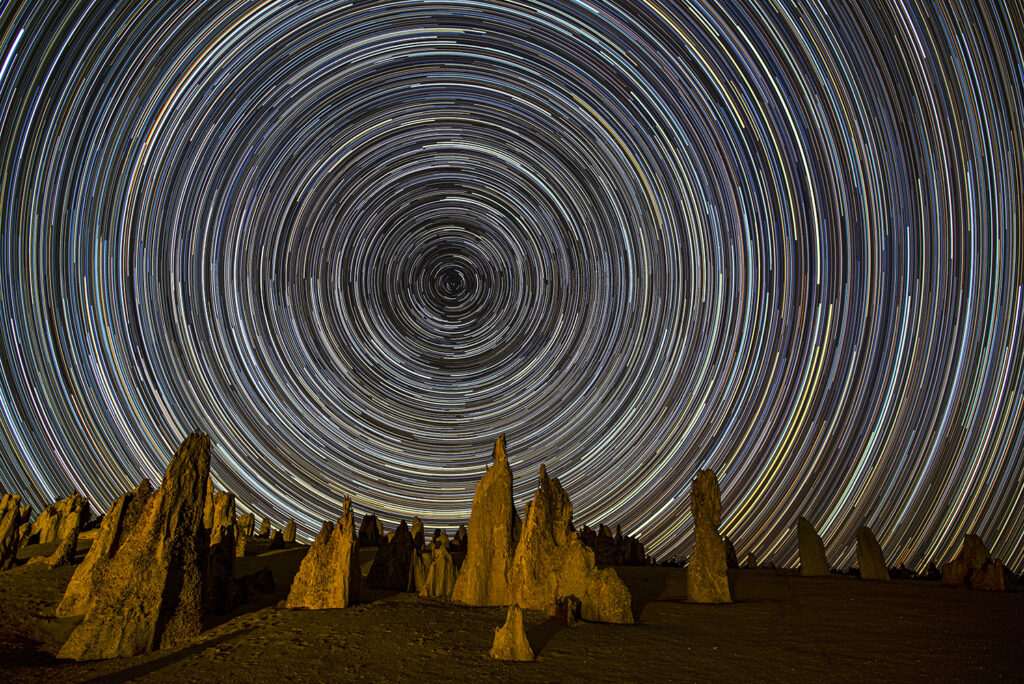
441, 539
88, 578
222, 514
812, 551
10, 529
65, 553
707, 579
510, 642
418, 538
731, 560
276, 541
461, 541
551, 562
418, 570
329, 574
483, 578
441, 574
369, 532
289, 532
869, 556
974, 568
152, 590
391, 566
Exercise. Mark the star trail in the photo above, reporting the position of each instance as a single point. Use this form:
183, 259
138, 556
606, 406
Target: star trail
354, 242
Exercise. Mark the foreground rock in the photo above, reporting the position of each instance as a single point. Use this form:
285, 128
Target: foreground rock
329, 574
551, 562
974, 568
869, 556
510, 642
10, 529
440, 580
152, 592
88, 578
812, 551
391, 566
483, 578
707, 578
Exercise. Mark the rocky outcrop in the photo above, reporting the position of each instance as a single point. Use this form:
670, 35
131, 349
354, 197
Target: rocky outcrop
418, 570
417, 532
440, 579
461, 541
276, 541
247, 524
707, 579
391, 566
731, 561
869, 556
441, 539
10, 529
87, 581
370, 532
974, 568
64, 555
59, 519
219, 581
329, 575
812, 551
483, 578
510, 642
551, 562
264, 529
609, 549
222, 512
152, 590
289, 532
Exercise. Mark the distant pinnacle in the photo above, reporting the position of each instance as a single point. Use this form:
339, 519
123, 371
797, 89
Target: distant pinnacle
499, 450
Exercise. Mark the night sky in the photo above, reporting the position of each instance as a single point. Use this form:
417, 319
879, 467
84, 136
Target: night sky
355, 242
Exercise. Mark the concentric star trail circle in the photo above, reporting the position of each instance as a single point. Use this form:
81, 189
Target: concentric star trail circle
355, 242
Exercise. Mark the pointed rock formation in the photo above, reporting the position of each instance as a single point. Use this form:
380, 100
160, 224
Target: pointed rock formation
812, 551
59, 519
551, 562
152, 590
510, 642
606, 551
264, 529
247, 523
241, 542
441, 574
483, 578
10, 530
329, 575
370, 532
65, 553
461, 541
731, 561
707, 579
289, 531
88, 578
222, 512
974, 568
869, 556
751, 561
418, 570
417, 532
391, 566
441, 539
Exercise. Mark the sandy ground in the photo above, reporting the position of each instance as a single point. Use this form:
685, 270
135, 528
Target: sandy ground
782, 627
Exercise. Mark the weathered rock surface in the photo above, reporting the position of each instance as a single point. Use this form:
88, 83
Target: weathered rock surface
247, 523
289, 532
418, 570
391, 566
219, 582
567, 611
10, 529
441, 539
551, 562
812, 551
441, 574
869, 556
88, 578
510, 642
59, 519
370, 532
222, 514
329, 574
974, 567
483, 578
241, 541
152, 592
418, 538
707, 579
461, 541
264, 529
64, 555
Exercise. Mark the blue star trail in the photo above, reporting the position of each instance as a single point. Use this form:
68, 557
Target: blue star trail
354, 242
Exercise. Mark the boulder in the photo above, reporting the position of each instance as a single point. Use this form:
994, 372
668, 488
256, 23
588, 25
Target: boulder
329, 574
973, 568
369, 532
289, 532
10, 530
87, 581
483, 578
152, 591
812, 551
869, 556
551, 562
417, 533
440, 580
510, 642
392, 565
707, 579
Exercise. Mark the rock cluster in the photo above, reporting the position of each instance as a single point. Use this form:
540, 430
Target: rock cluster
869, 556
440, 580
58, 520
613, 549
329, 575
11, 532
417, 533
152, 591
461, 540
707, 579
510, 642
370, 532
812, 551
974, 568
483, 578
391, 566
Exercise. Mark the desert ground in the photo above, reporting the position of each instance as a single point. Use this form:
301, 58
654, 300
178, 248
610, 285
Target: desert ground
782, 627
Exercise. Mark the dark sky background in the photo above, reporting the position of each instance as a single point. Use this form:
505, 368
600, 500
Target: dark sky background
355, 242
